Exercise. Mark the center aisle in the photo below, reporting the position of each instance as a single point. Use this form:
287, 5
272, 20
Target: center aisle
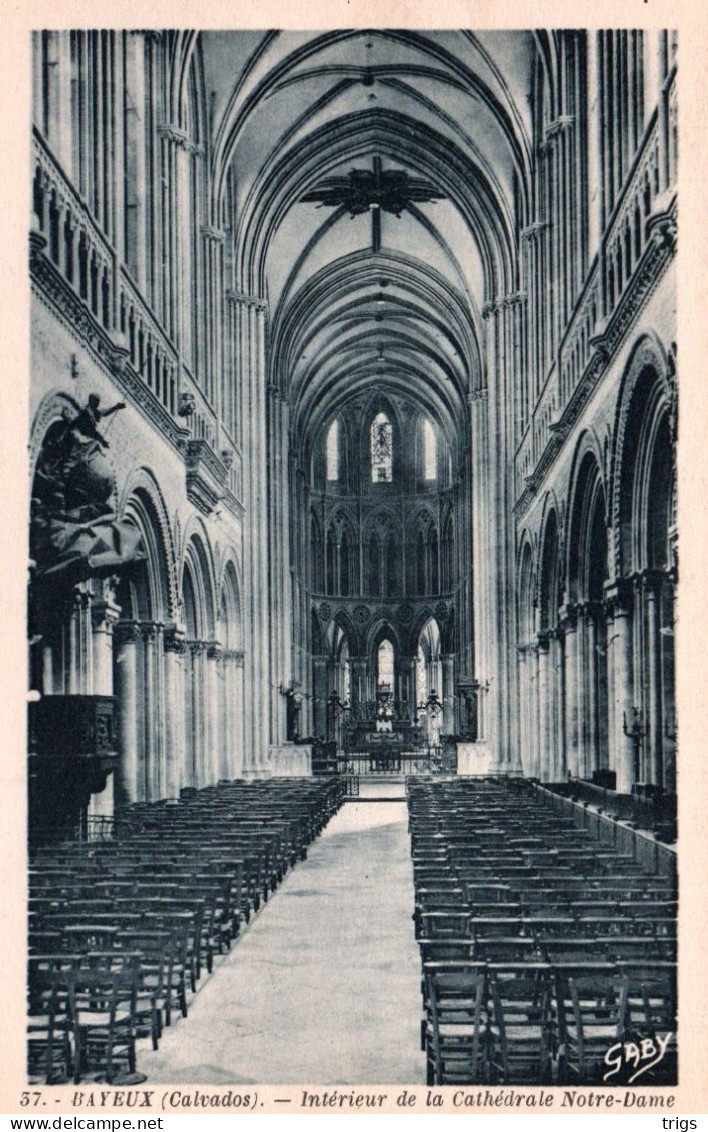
324, 986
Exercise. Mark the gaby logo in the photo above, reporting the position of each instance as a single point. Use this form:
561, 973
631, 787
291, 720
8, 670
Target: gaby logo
639, 1056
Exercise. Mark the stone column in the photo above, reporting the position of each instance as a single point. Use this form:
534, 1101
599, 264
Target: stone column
135, 228
104, 615
320, 691
544, 714
252, 366
654, 720
448, 694
175, 648
523, 661
213, 244
214, 699
481, 566
591, 673
570, 626
126, 635
557, 705
151, 709
360, 691
236, 766
621, 747
407, 671
534, 750
581, 677
197, 744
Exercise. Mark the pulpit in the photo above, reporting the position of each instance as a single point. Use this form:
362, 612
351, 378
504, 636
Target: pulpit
72, 750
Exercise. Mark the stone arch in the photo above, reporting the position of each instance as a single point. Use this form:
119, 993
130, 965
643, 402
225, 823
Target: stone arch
198, 562
550, 573
55, 406
230, 612
141, 502
586, 494
526, 593
645, 408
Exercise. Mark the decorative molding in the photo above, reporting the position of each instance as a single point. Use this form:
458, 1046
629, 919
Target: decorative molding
214, 235
361, 614
104, 615
206, 476
247, 300
405, 613
533, 231
180, 139
174, 641
640, 288
187, 404
64, 303
476, 395
561, 125
126, 632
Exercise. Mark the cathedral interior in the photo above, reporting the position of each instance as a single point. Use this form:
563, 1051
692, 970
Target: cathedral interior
353, 479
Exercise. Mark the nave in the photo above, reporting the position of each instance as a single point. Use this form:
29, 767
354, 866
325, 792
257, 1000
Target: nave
542, 946
325, 985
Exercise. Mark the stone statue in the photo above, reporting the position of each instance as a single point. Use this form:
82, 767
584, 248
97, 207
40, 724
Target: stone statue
75, 532
85, 425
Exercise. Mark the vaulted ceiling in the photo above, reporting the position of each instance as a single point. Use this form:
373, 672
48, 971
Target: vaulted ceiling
360, 296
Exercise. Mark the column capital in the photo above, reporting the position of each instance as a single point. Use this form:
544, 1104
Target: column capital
150, 630
174, 640
590, 609
513, 299
104, 615
492, 306
180, 139
476, 395
239, 298
651, 580
618, 597
568, 618
533, 231
214, 650
212, 234
126, 632
543, 639
561, 125
235, 656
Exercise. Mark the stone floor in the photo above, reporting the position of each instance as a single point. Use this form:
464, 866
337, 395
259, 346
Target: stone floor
324, 986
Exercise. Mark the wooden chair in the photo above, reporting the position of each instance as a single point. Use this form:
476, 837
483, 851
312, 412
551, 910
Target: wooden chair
455, 1040
651, 1012
522, 1032
48, 1042
103, 1014
591, 1003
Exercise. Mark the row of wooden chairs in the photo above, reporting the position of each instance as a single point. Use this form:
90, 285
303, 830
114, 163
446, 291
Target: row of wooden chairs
148, 910
517, 896
539, 1023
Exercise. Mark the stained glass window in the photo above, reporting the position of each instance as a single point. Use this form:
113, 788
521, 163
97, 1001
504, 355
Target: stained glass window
333, 451
381, 449
429, 451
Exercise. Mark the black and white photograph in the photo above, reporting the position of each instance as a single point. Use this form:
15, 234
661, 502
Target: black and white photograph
352, 526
